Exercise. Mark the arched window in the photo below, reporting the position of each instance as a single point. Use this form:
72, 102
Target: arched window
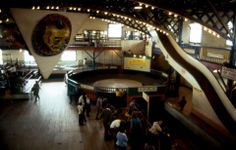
195, 33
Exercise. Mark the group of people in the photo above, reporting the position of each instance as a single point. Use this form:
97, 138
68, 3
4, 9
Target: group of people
114, 123
129, 127
126, 126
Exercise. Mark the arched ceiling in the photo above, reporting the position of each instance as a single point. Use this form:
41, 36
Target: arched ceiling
164, 14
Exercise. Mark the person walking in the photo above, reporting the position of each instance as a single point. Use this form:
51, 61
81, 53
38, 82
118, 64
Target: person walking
136, 136
35, 90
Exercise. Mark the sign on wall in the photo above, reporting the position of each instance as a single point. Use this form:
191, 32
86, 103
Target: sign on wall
229, 73
139, 64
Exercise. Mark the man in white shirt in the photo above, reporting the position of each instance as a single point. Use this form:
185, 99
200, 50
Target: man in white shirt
99, 106
156, 128
85, 101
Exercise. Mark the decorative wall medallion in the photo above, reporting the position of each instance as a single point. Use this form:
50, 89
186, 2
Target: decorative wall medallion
51, 35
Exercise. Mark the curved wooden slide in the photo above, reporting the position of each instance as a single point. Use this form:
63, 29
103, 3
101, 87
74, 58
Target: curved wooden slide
207, 82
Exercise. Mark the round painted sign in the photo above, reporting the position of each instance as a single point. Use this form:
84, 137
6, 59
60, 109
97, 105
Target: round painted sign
51, 35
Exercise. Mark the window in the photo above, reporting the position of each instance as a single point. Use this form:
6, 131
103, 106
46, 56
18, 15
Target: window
114, 30
229, 43
195, 33
28, 58
68, 56
230, 26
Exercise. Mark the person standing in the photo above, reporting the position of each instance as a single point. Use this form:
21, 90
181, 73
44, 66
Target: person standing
82, 99
106, 117
81, 114
114, 128
136, 136
153, 135
87, 105
35, 90
99, 106
118, 100
85, 101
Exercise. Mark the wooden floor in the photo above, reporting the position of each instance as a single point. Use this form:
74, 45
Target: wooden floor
50, 124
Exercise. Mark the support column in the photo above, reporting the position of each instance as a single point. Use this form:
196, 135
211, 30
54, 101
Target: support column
233, 50
232, 61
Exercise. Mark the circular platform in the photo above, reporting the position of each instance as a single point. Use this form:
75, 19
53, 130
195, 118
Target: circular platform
107, 80
117, 83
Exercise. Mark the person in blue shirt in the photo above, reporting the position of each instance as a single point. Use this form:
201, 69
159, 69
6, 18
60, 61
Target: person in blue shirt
121, 139
136, 134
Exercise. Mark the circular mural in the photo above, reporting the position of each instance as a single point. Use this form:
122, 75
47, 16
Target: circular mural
51, 35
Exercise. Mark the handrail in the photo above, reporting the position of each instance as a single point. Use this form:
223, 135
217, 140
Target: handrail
204, 79
27, 74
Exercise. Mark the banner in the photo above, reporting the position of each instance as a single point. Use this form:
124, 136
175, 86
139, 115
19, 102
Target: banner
139, 64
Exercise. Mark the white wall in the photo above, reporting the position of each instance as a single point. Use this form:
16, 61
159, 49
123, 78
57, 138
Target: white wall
136, 46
